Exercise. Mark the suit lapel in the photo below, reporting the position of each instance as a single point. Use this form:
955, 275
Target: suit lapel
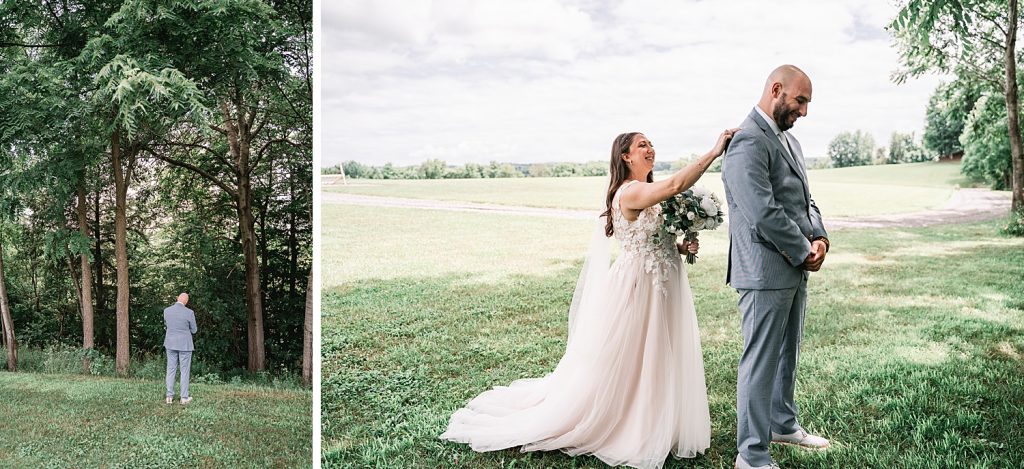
790, 159
798, 157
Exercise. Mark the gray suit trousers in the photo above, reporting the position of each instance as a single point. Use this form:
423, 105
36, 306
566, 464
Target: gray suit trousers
773, 322
178, 359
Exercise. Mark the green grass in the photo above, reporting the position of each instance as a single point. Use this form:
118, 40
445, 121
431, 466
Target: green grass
58, 421
912, 353
845, 192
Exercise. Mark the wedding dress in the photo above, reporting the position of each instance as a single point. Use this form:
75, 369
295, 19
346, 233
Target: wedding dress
630, 387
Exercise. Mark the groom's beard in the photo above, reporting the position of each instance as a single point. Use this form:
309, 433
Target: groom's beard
784, 117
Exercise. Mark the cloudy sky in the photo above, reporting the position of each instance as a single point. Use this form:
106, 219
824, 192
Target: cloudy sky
557, 80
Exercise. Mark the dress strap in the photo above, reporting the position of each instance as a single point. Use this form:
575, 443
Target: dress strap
618, 194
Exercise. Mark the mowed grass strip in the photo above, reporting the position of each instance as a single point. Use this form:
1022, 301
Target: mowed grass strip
64, 421
912, 350
841, 192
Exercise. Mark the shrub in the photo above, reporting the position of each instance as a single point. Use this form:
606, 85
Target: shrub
1015, 225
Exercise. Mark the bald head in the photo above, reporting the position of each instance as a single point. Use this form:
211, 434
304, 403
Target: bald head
183, 298
787, 92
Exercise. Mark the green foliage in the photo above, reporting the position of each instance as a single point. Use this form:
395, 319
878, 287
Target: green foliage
53, 421
986, 143
903, 149
161, 72
851, 149
947, 112
432, 169
1015, 225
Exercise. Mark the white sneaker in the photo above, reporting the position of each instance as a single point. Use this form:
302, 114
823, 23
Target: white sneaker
742, 464
170, 399
802, 439
185, 400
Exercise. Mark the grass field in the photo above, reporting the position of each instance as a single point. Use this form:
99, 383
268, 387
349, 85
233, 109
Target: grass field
912, 354
63, 421
844, 192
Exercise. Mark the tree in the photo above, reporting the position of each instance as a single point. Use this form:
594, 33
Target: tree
902, 149
90, 91
8, 322
238, 52
947, 112
307, 334
433, 169
986, 144
851, 149
977, 41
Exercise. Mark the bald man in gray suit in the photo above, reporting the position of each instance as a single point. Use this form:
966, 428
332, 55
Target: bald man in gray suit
181, 324
776, 237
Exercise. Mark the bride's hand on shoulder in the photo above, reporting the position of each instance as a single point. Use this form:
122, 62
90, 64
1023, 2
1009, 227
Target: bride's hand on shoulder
685, 246
723, 141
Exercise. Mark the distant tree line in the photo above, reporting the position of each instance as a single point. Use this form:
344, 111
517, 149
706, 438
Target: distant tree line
438, 169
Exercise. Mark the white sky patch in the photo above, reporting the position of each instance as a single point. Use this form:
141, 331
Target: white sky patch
550, 80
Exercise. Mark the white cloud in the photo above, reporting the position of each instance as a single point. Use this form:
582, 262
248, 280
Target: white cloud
543, 80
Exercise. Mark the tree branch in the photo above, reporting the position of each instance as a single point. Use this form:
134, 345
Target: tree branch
206, 175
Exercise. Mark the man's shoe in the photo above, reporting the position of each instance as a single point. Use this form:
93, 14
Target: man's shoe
802, 439
742, 464
170, 399
185, 400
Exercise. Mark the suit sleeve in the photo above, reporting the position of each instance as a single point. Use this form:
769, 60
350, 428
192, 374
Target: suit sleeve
192, 323
746, 169
817, 226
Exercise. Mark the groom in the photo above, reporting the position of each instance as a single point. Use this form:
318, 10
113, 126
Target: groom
181, 324
775, 238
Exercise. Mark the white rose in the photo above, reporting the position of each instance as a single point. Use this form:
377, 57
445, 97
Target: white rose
698, 225
699, 191
709, 206
710, 224
690, 215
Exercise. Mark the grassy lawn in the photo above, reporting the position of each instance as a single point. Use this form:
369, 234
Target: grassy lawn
87, 421
912, 353
844, 192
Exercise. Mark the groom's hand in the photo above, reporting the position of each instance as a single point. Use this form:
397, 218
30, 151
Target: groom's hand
816, 257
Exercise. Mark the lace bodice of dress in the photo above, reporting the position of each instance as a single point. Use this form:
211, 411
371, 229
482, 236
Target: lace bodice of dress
637, 238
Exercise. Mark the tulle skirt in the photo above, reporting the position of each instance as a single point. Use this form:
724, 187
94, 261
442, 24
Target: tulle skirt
629, 390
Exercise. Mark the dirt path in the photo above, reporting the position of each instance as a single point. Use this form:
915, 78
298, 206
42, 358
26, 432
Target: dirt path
966, 205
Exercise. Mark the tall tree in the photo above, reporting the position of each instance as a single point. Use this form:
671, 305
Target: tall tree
974, 39
8, 322
307, 334
236, 51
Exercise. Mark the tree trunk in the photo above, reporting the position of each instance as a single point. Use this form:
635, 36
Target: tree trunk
86, 291
121, 252
1012, 110
293, 249
5, 314
98, 258
307, 334
253, 292
239, 139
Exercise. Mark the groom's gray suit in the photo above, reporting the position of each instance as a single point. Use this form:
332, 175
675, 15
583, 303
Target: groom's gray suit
181, 324
772, 221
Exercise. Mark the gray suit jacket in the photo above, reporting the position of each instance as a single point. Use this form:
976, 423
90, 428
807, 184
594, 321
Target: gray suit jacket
772, 218
181, 324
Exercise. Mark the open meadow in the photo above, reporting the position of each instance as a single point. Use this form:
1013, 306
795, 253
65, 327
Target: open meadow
913, 352
59, 421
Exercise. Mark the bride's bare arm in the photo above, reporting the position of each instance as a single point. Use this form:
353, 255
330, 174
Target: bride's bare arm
640, 196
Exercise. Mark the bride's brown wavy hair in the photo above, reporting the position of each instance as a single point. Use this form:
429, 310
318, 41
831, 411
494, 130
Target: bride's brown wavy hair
618, 171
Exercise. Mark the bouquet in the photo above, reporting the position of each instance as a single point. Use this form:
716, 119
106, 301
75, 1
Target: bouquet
690, 211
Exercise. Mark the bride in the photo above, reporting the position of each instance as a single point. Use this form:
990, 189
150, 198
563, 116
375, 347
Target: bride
630, 387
